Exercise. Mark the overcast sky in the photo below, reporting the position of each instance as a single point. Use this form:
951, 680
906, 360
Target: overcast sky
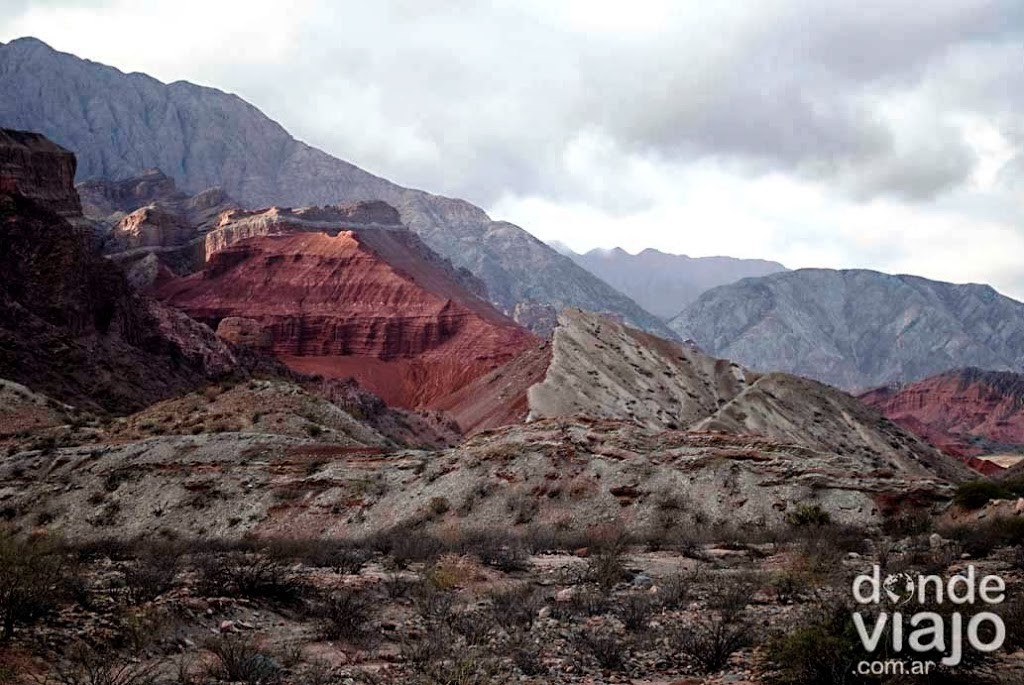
880, 133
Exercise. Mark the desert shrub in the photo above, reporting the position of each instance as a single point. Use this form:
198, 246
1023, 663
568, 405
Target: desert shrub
606, 567
423, 650
979, 539
345, 615
812, 654
636, 609
674, 590
497, 550
709, 641
397, 586
526, 653
908, 524
517, 606
735, 594
823, 647
1012, 612
808, 515
34, 575
583, 602
790, 585
523, 506
438, 659
432, 603
343, 557
975, 494
239, 659
249, 575
452, 571
81, 665
475, 626
152, 574
438, 506
405, 545
601, 645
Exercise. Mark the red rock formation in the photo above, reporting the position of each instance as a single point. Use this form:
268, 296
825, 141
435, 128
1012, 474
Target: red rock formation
964, 413
375, 304
36, 168
499, 398
245, 333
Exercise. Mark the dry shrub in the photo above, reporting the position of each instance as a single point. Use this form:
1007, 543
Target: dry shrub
452, 571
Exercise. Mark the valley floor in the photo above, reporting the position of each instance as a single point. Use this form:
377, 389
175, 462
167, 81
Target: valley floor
695, 606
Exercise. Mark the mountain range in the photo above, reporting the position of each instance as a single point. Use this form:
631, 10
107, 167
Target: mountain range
857, 329
664, 284
121, 125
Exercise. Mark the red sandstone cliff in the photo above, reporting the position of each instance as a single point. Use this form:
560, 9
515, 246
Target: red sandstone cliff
375, 304
964, 412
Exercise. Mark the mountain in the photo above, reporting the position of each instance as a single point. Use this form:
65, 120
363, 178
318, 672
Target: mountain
857, 329
344, 298
70, 326
965, 412
121, 124
662, 283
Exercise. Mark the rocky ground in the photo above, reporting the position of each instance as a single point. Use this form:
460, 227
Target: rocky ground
550, 606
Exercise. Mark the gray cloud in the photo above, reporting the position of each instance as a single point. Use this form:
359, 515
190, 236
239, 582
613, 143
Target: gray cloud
485, 99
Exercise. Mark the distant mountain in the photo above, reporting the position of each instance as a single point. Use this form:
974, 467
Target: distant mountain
857, 329
965, 412
120, 125
663, 283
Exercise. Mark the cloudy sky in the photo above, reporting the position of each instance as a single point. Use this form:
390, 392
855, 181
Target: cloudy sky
880, 133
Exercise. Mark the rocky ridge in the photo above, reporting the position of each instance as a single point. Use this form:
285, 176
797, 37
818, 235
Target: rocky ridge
601, 368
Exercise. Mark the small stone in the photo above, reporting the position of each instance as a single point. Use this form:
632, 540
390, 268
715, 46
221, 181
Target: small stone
245, 625
935, 541
563, 596
642, 581
544, 612
965, 555
227, 627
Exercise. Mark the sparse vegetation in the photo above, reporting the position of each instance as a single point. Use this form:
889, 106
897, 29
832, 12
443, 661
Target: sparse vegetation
34, 572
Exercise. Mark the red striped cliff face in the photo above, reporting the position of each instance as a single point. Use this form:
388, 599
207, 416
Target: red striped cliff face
964, 413
375, 304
